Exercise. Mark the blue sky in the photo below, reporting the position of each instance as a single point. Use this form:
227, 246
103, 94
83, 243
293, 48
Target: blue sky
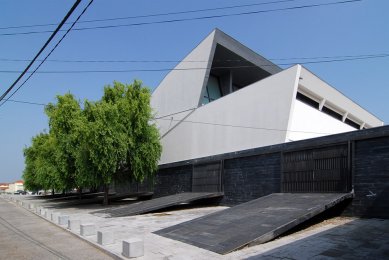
336, 30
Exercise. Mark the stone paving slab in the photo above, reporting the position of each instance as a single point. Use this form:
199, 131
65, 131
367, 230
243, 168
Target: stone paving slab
254, 222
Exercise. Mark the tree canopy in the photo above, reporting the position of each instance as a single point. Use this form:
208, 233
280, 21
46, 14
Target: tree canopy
91, 146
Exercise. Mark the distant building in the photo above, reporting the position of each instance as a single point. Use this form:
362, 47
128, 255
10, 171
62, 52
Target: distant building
223, 97
15, 186
3, 187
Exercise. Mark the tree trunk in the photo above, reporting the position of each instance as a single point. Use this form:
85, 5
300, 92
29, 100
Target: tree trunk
52, 192
106, 189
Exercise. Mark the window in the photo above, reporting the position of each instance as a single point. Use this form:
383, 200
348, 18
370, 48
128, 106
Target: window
307, 100
352, 123
212, 90
332, 113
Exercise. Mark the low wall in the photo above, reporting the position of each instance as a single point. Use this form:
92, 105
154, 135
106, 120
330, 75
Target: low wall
254, 173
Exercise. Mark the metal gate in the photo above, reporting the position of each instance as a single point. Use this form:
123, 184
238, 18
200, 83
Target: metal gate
207, 177
325, 169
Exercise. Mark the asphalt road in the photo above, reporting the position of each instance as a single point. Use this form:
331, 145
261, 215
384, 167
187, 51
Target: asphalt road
24, 235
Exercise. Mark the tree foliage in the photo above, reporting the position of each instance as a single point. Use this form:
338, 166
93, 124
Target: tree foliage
41, 167
64, 120
110, 139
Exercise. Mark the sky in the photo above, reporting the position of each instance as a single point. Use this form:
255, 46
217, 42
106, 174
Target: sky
284, 36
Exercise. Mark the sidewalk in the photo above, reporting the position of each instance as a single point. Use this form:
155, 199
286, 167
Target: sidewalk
27, 236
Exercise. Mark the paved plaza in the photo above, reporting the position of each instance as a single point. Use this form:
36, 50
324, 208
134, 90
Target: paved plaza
335, 238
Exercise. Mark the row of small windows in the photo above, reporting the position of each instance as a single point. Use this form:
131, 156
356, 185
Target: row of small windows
313, 103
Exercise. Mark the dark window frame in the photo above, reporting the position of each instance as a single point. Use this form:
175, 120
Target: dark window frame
333, 113
352, 123
307, 100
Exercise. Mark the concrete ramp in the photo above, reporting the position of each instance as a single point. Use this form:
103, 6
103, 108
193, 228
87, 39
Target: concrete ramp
253, 222
159, 203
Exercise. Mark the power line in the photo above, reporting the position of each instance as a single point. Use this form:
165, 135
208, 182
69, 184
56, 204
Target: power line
196, 122
52, 50
153, 15
175, 113
240, 126
42, 49
26, 102
192, 19
378, 55
196, 68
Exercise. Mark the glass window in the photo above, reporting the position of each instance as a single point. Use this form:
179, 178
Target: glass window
212, 91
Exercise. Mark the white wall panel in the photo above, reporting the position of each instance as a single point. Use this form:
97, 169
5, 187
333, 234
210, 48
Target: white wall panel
308, 122
254, 116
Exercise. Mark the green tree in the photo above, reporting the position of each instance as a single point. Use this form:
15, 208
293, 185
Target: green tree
64, 119
118, 140
112, 139
102, 146
40, 160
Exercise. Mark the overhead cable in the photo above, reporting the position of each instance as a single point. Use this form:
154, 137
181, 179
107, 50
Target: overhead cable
194, 68
42, 49
153, 14
192, 18
374, 55
52, 50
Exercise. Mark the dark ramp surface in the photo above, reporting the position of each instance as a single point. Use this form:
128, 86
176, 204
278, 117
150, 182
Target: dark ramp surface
253, 222
158, 203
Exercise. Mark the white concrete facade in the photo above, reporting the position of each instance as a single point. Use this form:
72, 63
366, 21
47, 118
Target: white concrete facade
308, 122
267, 109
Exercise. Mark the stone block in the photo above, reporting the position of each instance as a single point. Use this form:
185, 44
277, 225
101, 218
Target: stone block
133, 248
54, 216
105, 237
74, 224
47, 214
31, 206
87, 229
63, 220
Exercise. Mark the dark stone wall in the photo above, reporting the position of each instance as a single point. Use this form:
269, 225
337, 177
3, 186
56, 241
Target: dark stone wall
256, 172
174, 180
249, 178
371, 179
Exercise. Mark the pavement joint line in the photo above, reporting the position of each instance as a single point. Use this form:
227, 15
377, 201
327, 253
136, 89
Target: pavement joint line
95, 245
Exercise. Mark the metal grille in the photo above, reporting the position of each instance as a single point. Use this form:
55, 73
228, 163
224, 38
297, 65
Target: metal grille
317, 170
207, 177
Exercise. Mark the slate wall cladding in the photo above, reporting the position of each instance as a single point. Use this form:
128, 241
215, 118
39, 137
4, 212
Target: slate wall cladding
249, 178
173, 180
371, 178
256, 172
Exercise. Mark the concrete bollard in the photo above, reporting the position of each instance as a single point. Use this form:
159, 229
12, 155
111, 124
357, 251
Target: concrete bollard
105, 237
74, 224
43, 212
47, 214
87, 229
133, 248
31, 206
63, 220
54, 216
